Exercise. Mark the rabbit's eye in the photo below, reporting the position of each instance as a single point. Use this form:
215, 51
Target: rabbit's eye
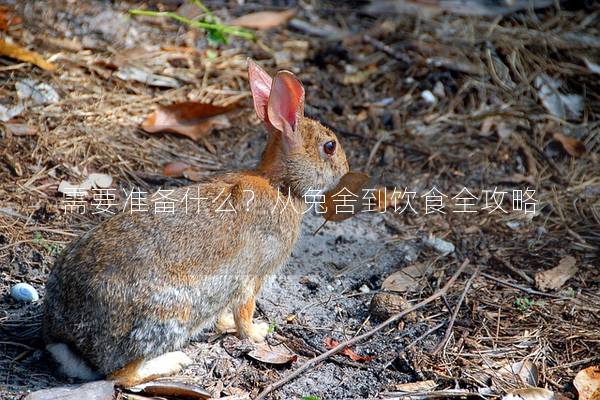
329, 147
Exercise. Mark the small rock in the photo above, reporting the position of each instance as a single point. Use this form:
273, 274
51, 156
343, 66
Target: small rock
384, 305
440, 245
364, 289
428, 97
438, 90
24, 292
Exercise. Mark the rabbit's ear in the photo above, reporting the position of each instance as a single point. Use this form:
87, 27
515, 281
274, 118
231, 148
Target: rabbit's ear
286, 106
260, 85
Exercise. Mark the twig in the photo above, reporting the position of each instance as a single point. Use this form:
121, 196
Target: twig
509, 266
379, 45
524, 289
455, 313
366, 335
431, 395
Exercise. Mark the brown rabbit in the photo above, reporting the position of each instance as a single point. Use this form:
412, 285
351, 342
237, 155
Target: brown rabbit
126, 295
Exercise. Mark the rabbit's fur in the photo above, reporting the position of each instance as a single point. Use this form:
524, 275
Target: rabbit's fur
140, 285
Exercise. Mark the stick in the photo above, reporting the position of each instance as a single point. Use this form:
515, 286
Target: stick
312, 362
455, 313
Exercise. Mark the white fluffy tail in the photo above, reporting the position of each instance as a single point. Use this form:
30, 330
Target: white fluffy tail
70, 364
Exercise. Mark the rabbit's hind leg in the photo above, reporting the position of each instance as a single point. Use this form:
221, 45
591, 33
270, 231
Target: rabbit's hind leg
244, 325
141, 370
225, 322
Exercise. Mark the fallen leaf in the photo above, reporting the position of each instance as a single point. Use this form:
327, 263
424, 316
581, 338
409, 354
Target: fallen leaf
93, 180
345, 200
8, 18
141, 75
7, 114
20, 129
171, 389
263, 19
21, 54
175, 169
265, 353
571, 145
39, 92
191, 119
554, 278
98, 390
521, 372
421, 386
407, 279
564, 106
587, 383
331, 343
535, 393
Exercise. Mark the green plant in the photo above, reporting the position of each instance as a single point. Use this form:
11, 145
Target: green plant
310, 398
52, 248
524, 303
272, 326
216, 32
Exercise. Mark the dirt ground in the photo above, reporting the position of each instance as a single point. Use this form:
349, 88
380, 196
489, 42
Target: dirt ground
419, 101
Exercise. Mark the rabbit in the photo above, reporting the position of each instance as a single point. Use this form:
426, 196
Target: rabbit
123, 298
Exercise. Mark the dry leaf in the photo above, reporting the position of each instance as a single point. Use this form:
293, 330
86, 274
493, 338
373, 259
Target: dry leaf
263, 19
272, 355
331, 343
20, 129
407, 279
97, 390
93, 180
171, 389
571, 145
19, 53
587, 382
190, 118
535, 393
339, 199
39, 92
521, 372
8, 18
554, 278
175, 169
563, 106
129, 73
422, 386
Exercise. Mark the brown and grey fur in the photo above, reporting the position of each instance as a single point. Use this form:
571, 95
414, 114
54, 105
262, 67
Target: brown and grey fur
140, 285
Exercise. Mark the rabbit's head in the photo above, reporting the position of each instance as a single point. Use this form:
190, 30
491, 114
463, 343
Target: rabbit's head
301, 153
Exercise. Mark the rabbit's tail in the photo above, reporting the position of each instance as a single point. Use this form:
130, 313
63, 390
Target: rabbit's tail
70, 364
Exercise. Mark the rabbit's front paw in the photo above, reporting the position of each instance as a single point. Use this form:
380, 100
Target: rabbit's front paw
258, 332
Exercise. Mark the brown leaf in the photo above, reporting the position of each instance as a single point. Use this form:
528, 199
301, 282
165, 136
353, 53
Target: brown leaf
175, 169
190, 118
407, 279
421, 386
572, 146
336, 201
587, 383
8, 18
20, 129
554, 278
272, 355
19, 53
172, 389
263, 19
331, 343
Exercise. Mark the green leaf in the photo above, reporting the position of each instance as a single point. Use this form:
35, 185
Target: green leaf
311, 398
215, 37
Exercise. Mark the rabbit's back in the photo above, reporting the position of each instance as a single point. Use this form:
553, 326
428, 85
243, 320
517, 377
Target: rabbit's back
141, 284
